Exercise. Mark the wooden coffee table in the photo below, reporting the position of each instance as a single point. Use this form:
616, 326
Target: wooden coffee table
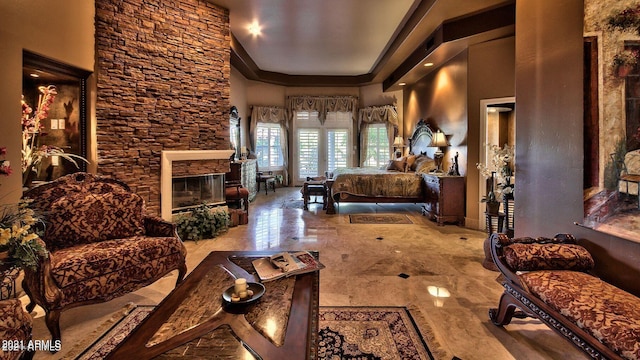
193, 320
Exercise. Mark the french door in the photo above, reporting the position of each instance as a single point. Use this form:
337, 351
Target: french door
320, 148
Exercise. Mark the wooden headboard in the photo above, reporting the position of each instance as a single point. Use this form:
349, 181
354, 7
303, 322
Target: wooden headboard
421, 139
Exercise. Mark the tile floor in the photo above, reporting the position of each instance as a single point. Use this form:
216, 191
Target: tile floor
363, 263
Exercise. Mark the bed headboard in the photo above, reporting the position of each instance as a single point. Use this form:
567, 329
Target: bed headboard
421, 139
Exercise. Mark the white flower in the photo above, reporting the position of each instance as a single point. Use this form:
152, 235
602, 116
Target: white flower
499, 167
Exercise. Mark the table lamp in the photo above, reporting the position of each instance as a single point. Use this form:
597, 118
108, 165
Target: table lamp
439, 140
398, 144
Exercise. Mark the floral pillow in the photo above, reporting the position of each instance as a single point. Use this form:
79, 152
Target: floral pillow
86, 218
529, 257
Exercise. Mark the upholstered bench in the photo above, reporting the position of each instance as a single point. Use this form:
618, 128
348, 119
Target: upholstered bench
549, 279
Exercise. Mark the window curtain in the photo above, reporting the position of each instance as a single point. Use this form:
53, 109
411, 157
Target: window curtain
272, 115
322, 104
386, 114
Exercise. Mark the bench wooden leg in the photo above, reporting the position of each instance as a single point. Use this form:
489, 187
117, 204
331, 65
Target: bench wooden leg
505, 311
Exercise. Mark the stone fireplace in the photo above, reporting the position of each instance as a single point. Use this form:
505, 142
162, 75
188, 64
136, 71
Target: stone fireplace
188, 182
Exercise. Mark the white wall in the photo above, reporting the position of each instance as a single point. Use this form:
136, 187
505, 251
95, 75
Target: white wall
61, 30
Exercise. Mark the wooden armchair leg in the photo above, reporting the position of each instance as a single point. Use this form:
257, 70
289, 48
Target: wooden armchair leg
28, 355
52, 319
32, 302
182, 271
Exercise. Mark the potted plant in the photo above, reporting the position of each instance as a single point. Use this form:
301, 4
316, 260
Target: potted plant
498, 170
20, 243
624, 62
202, 222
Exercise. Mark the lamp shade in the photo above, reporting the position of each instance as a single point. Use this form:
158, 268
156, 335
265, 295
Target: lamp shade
398, 141
439, 139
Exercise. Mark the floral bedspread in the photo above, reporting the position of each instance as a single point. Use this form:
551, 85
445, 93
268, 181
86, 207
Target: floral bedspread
375, 182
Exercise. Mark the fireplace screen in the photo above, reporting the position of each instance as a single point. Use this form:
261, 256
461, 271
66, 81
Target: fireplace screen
192, 191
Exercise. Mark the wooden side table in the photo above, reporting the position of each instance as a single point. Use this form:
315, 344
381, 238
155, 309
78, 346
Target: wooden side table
314, 188
495, 222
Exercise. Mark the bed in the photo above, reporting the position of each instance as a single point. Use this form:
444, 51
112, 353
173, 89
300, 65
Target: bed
400, 182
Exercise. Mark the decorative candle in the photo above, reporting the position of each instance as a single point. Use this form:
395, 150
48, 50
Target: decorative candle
240, 285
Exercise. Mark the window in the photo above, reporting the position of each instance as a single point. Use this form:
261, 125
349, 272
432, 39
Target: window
377, 146
268, 149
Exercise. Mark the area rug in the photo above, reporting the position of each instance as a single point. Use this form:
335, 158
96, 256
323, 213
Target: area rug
379, 219
344, 333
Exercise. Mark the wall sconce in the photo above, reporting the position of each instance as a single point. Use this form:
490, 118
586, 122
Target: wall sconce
439, 141
398, 144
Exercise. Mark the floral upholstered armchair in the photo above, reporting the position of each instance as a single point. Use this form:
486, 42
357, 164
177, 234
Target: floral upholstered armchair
100, 244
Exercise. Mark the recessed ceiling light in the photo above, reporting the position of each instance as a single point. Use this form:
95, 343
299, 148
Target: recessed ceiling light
428, 64
255, 29
402, 84
34, 75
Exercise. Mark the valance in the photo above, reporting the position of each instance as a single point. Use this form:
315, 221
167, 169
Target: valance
268, 114
322, 104
378, 114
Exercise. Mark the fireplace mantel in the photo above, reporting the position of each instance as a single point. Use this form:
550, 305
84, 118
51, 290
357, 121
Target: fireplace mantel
166, 171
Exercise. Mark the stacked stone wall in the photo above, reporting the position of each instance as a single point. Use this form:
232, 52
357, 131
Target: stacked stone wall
163, 69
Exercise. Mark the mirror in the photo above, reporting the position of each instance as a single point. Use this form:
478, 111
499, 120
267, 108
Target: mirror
234, 132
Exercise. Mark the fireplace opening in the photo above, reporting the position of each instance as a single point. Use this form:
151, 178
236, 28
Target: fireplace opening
192, 191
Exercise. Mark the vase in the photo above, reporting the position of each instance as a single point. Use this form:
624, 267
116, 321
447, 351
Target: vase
624, 70
493, 207
28, 176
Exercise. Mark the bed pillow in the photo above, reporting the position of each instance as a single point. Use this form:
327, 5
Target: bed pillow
411, 159
397, 165
529, 257
424, 164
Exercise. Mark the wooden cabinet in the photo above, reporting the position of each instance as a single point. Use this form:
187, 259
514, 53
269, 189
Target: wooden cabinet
244, 171
444, 198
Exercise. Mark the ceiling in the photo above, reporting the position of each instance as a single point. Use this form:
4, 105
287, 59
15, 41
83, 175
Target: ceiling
346, 42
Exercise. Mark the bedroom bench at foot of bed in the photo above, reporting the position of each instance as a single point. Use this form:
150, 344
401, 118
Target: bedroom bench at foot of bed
549, 279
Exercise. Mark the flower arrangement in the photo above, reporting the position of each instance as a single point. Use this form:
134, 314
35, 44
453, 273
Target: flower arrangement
5, 165
499, 169
625, 19
19, 237
32, 152
625, 57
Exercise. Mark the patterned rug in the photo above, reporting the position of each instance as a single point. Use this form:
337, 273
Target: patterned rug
346, 333
379, 219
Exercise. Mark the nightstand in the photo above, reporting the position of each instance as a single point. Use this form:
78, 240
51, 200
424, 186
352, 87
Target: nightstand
444, 198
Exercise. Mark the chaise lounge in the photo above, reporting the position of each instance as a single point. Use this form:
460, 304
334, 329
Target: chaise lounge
100, 244
549, 279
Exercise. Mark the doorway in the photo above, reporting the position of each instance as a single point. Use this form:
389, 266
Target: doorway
497, 127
